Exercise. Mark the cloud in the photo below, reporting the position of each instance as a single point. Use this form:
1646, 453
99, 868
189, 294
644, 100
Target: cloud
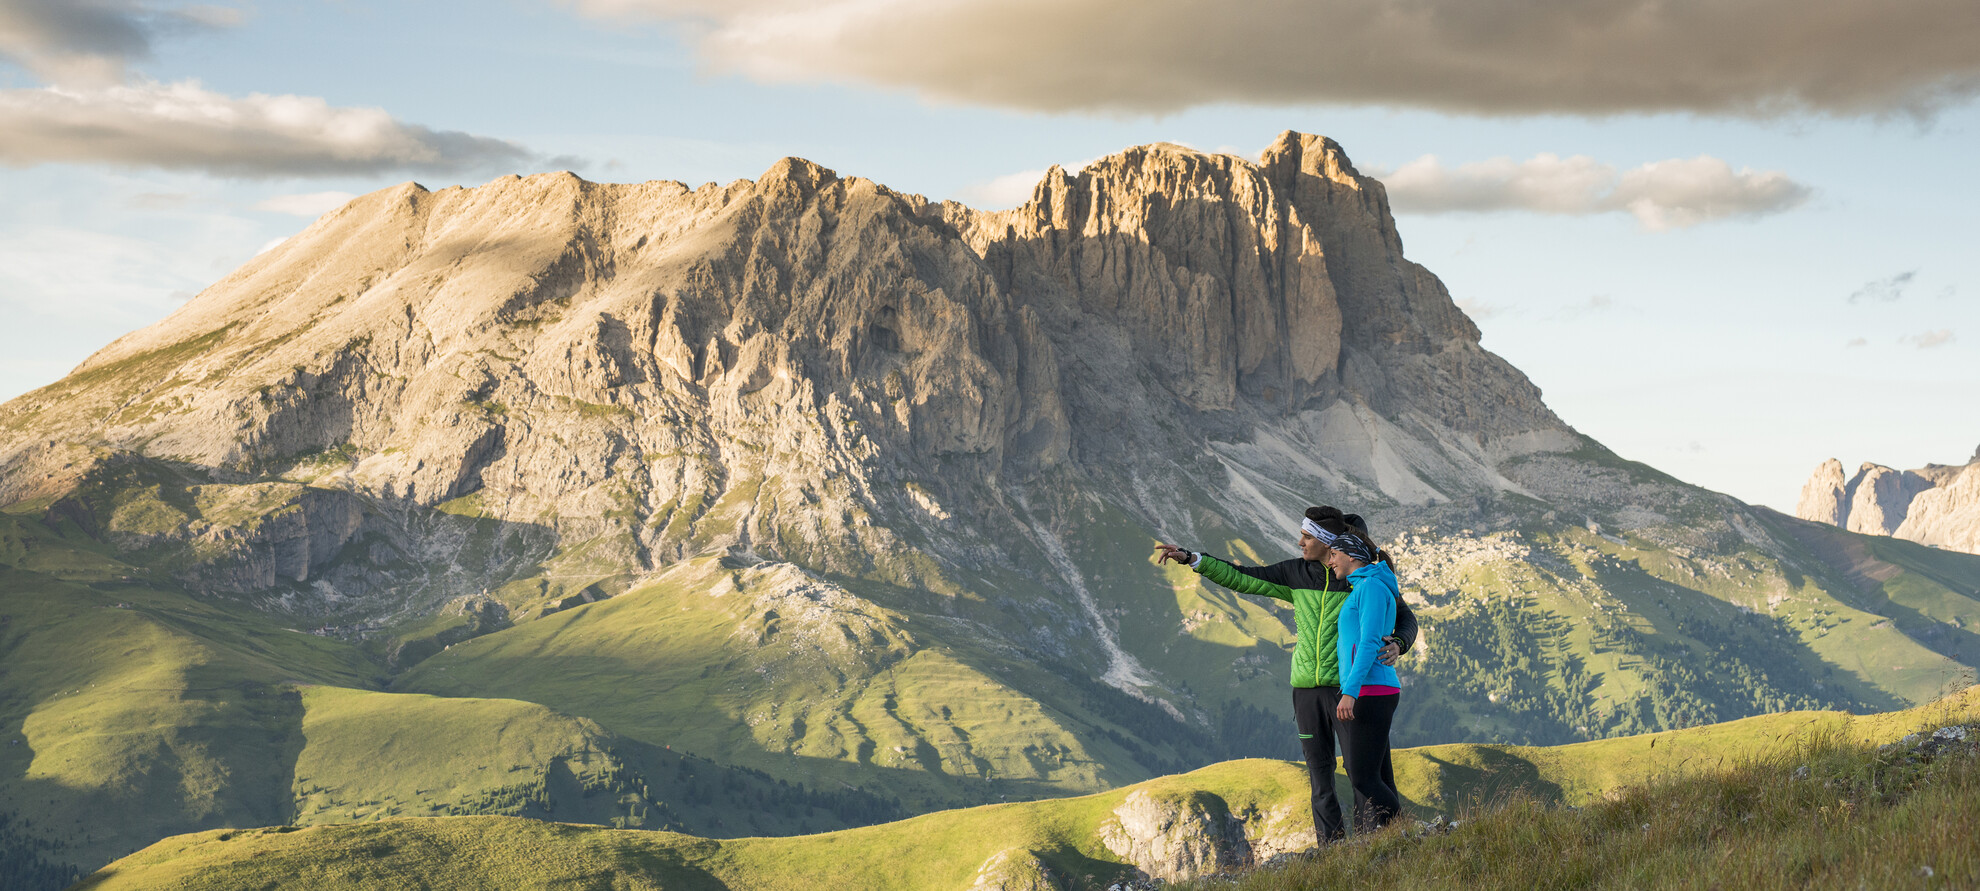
1855, 342
311, 204
1661, 195
91, 42
1929, 339
1009, 190
183, 126
1479, 310
1492, 57
1884, 290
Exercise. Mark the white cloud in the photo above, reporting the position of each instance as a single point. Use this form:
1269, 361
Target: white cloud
1855, 342
1661, 195
183, 126
1545, 183
1929, 339
1595, 57
1009, 190
309, 204
1685, 192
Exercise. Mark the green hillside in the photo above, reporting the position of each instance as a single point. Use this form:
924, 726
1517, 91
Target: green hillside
951, 849
132, 710
727, 697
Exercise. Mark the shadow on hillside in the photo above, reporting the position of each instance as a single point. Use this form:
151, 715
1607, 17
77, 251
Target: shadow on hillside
1853, 556
1492, 776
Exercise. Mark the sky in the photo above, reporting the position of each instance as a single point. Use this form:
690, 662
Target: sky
1727, 238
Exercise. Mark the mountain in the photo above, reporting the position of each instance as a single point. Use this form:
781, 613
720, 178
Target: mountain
801, 503
1937, 505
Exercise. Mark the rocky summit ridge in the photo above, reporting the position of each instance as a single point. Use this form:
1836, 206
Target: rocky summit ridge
608, 363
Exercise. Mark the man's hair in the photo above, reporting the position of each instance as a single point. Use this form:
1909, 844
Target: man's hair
1328, 518
1331, 519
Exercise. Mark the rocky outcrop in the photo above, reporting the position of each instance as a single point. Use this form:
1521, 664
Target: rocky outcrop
1014, 870
1947, 516
1185, 834
1938, 504
1175, 837
1824, 498
1879, 498
1182, 835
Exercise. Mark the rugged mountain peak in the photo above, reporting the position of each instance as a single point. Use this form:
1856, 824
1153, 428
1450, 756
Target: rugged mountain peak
616, 359
1824, 498
1937, 504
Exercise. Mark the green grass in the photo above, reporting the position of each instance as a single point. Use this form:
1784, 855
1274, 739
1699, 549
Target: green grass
139, 711
1860, 814
698, 662
1822, 807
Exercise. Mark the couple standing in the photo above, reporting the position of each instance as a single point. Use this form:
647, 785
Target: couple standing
1351, 623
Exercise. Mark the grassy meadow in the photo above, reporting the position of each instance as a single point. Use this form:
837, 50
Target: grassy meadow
1784, 800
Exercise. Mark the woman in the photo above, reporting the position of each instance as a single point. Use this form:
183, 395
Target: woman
1369, 690
1316, 594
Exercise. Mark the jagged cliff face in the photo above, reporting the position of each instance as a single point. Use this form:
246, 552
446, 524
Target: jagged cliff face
807, 362
1937, 505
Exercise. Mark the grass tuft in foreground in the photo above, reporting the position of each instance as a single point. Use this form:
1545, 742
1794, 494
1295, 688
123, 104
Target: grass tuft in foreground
1823, 811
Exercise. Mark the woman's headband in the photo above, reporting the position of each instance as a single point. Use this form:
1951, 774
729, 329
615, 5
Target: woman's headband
1354, 546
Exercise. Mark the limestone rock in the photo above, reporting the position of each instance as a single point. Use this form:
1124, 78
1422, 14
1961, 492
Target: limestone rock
1938, 504
1879, 497
1014, 870
1175, 837
799, 366
1947, 516
1822, 498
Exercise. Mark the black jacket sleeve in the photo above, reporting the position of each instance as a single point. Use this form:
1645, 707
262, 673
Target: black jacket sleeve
1405, 625
1293, 573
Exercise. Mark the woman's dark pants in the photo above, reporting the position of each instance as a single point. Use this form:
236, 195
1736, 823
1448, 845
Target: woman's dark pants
1365, 749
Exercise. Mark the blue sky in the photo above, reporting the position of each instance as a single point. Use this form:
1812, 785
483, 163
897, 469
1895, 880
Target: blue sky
1730, 273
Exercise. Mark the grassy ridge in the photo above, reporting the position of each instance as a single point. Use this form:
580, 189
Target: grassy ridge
1824, 809
1682, 787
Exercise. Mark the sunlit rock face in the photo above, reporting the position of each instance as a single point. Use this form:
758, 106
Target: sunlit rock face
829, 361
1938, 504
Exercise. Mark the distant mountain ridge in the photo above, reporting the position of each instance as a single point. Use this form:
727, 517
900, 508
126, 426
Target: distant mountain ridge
835, 504
1937, 505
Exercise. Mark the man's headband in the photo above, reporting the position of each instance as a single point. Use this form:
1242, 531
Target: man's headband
1311, 528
